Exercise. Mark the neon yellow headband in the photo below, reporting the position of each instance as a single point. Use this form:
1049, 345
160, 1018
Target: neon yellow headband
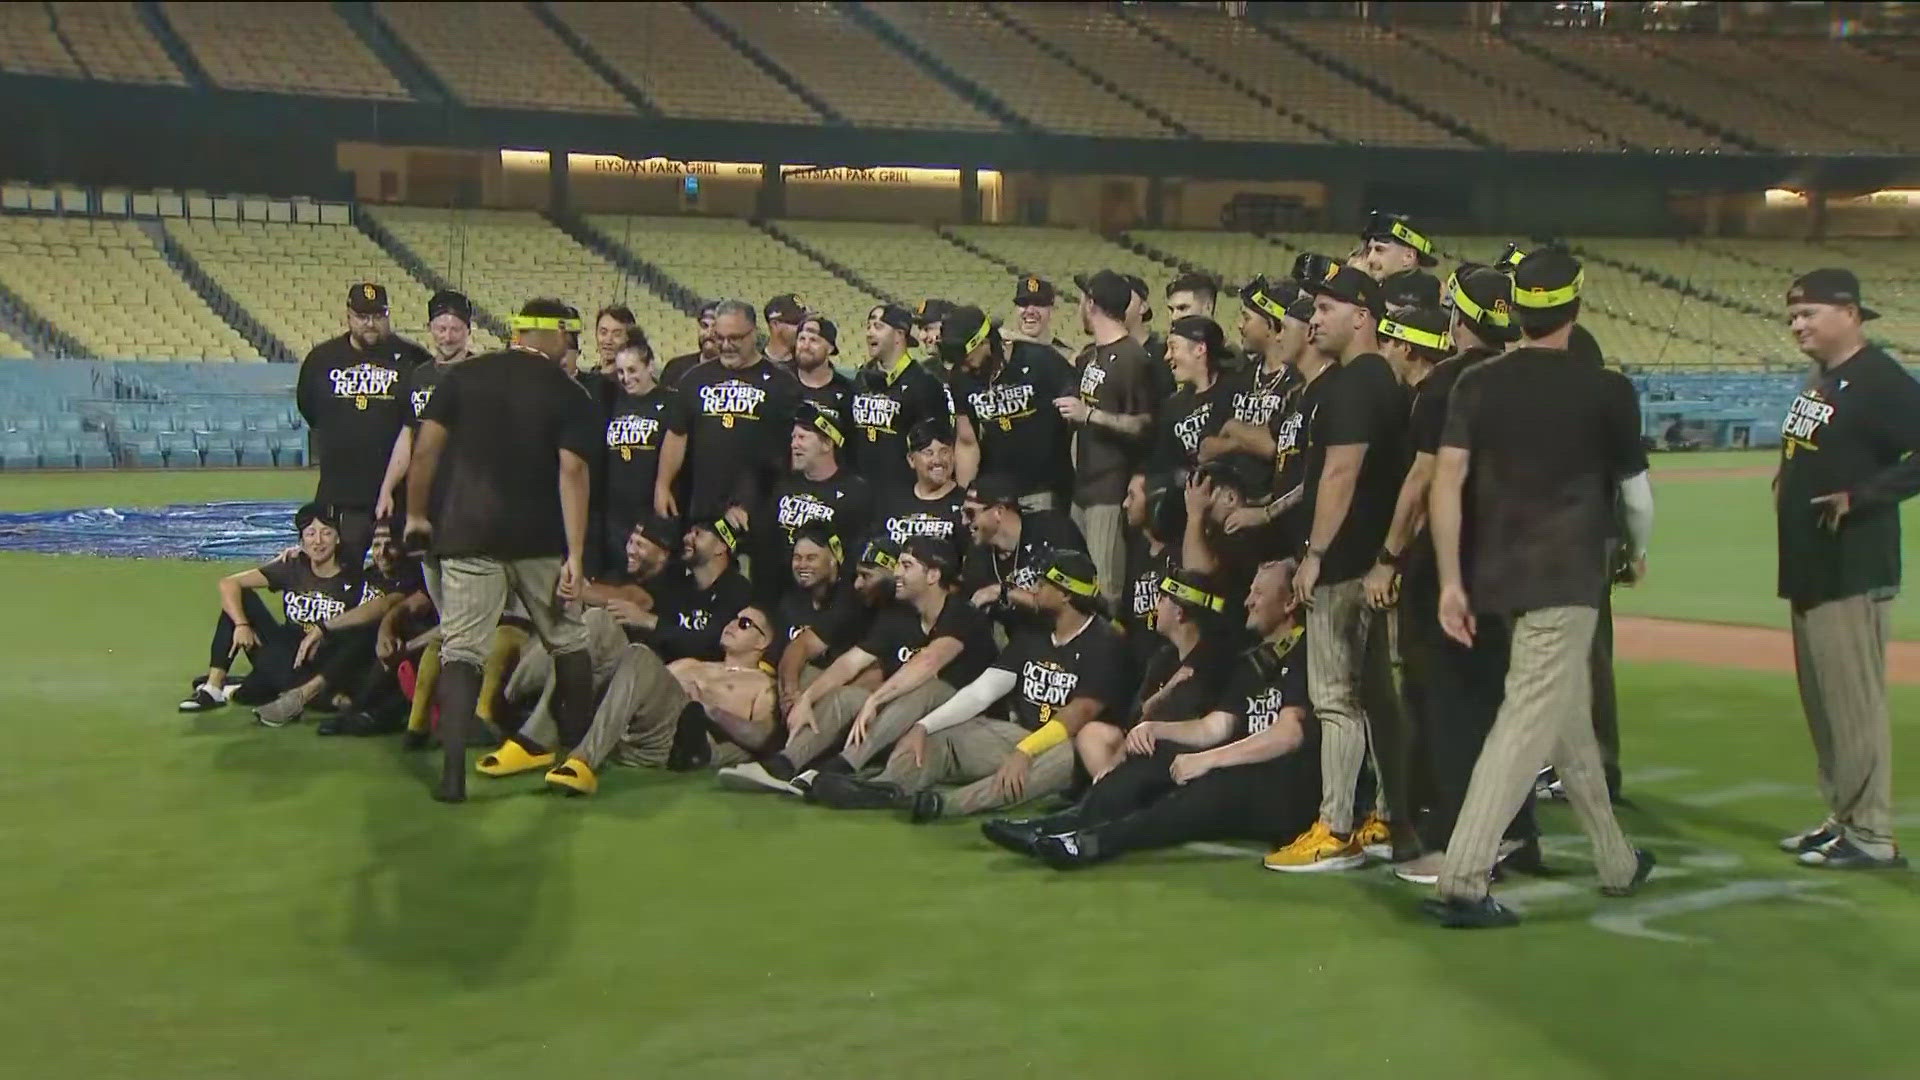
1262, 302
547, 322
1072, 584
979, 336
1494, 316
1402, 332
1550, 298
1410, 238
1189, 594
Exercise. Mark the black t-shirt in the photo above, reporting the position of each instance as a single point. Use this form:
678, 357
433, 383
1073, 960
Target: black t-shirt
896, 635
353, 402
840, 623
1266, 680
1194, 696
1428, 421
1365, 404
1021, 434
1092, 664
1261, 394
905, 515
419, 383
691, 618
835, 399
636, 426
403, 580
886, 405
1550, 439
1117, 378
737, 427
1189, 417
306, 598
1290, 423
1144, 571
1848, 430
676, 369
508, 415
1042, 532
842, 503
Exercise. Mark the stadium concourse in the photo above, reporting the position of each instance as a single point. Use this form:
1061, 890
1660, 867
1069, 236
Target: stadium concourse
800, 539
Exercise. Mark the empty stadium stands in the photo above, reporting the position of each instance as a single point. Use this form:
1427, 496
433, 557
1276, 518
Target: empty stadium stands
858, 75
680, 64
112, 43
29, 45
1235, 258
500, 258
910, 262
500, 55
291, 47
105, 282
977, 42
1059, 255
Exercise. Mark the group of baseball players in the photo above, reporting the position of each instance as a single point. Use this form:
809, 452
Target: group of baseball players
1341, 584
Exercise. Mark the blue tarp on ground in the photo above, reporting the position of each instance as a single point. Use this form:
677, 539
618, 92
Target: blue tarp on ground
254, 531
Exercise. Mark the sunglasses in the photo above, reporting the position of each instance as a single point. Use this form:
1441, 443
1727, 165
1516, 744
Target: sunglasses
745, 623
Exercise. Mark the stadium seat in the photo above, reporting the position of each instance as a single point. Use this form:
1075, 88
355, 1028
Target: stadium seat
181, 449
57, 452
911, 262
19, 452
30, 46
681, 65
112, 43
469, 46
254, 450
289, 47
92, 451
290, 453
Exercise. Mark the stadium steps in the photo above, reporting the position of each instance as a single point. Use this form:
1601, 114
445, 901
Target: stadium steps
176, 49
374, 32
931, 63
1376, 87
832, 266
1491, 78
1667, 281
1164, 258
592, 58
658, 281
748, 49
411, 261
218, 299
35, 332
1065, 289
1760, 95
1226, 76
1000, 15
1659, 105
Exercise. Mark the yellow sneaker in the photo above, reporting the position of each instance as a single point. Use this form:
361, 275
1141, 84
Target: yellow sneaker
1375, 837
576, 776
513, 758
1316, 850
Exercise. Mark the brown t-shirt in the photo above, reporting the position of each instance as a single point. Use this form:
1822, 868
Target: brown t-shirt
1114, 378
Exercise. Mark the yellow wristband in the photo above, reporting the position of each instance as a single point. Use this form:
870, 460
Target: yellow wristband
1051, 734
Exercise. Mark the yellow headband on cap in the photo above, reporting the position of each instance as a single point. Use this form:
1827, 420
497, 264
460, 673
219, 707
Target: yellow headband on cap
827, 427
547, 322
1403, 332
979, 337
1493, 316
1550, 298
1072, 584
1410, 238
1262, 302
726, 534
1191, 595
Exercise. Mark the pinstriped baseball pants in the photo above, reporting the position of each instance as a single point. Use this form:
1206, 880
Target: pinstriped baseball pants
1546, 717
1840, 656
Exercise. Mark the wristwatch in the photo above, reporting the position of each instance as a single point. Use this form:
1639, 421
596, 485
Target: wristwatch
1388, 558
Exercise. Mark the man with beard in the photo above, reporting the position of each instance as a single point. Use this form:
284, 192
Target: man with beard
933, 506
821, 384
926, 333
1390, 244
1273, 330
819, 491
450, 321
1114, 413
1010, 550
691, 603
349, 393
1006, 423
709, 349
891, 394
737, 413
823, 612
637, 426
1033, 302
784, 315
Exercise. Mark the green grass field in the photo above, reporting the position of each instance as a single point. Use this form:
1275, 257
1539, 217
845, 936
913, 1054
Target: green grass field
200, 897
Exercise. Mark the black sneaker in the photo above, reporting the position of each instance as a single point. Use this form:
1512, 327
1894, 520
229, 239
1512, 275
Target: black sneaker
203, 700
416, 740
1068, 851
1485, 913
1817, 837
927, 806
1841, 853
1642, 869
1014, 836
843, 792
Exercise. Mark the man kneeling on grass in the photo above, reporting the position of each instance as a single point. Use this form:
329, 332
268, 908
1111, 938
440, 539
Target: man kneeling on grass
1248, 769
1055, 680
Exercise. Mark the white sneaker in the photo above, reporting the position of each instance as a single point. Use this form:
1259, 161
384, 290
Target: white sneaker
754, 776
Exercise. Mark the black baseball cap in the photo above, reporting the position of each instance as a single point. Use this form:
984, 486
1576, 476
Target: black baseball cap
1250, 475
1350, 285
931, 310
1829, 285
1410, 289
367, 298
962, 330
826, 329
1422, 327
1192, 590
1074, 573
1139, 286
1199, 328
995, 489
1311, 266
934, 554
723, 529
1276, 299
1109, 291
1194, 281
821, 533
785, 308
324, 513
817, 420
1549, 278
1398, 229
657, 531
1034, 292
449, 302
892, 315
881, 551
929, 431
1483, 297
